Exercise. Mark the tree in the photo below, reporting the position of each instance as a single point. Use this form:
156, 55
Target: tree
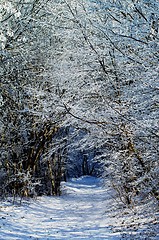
109, 60
26, 128
95, 71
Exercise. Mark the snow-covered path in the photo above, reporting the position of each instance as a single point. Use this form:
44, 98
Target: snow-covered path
86, 210
79, 214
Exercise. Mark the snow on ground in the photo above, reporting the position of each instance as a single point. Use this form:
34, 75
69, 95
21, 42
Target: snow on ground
86, 210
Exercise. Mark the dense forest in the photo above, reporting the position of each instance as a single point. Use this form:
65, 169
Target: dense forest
79, 91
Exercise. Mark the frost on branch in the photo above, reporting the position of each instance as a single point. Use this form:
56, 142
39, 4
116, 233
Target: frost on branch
82, 68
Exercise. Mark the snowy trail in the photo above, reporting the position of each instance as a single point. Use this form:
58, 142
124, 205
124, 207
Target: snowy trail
79, 214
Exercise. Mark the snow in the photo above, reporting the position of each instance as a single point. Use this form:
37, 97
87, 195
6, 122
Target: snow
86, 210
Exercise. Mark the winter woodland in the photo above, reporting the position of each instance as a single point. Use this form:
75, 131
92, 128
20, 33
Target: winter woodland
79, 95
